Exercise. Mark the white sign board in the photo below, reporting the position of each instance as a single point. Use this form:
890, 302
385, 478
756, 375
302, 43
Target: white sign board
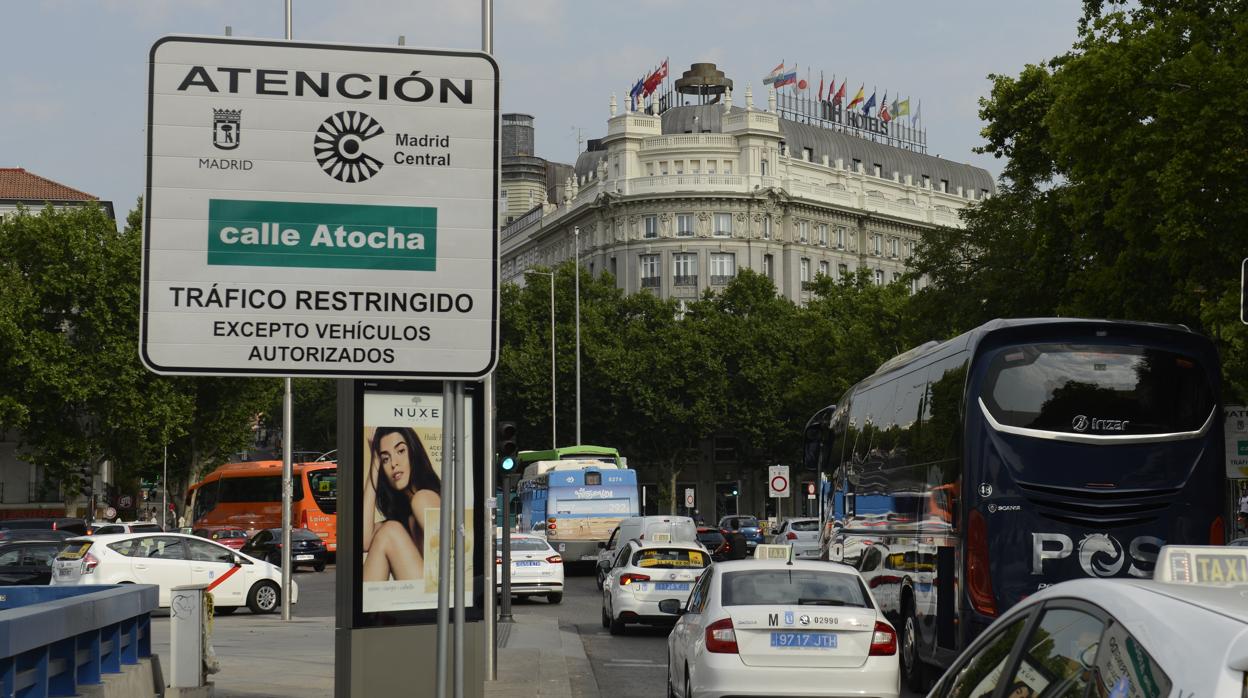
778, 481
318, 209
689, 497
1236, 441
810, 490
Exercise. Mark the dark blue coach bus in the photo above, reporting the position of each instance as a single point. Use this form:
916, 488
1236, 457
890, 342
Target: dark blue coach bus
964, 475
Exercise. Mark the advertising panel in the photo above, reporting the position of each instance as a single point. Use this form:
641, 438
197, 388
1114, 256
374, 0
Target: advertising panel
401, 484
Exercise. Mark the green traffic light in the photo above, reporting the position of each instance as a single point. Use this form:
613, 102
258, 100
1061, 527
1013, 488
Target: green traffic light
507, 464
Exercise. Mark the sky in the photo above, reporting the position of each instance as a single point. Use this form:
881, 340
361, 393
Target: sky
74, 81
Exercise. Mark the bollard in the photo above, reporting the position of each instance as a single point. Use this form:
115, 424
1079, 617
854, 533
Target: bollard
186, 637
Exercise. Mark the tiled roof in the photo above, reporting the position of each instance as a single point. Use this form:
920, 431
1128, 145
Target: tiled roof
16, 184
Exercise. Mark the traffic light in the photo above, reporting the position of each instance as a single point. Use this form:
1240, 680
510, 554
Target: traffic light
505, 442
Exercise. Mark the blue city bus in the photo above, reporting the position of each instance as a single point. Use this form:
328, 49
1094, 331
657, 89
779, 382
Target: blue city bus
576, 503
964, 475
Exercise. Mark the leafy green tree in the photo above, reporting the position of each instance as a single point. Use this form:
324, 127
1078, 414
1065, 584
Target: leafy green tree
1123, 194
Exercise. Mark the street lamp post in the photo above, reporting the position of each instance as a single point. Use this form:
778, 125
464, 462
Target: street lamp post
577, 234
554, 443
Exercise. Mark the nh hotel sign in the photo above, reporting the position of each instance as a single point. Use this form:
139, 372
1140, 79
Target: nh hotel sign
838, 117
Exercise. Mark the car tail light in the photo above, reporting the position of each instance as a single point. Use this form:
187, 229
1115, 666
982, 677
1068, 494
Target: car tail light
721, 638
629, 578
791, 535
498, 560
550, 520
979, 580
550, 526
883, 641
89, 563
1217, 532
554, 559
303, 519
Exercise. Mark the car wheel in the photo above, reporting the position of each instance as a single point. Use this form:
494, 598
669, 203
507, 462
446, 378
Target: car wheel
600, 579
606, 620
319, 567
264, 597
671, 692
223, 610
616, 627
913, 671
555, 597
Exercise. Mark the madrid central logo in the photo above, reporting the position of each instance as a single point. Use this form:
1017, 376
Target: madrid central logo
339, 146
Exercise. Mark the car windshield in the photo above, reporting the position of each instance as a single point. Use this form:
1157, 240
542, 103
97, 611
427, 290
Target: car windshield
743, 522
793, 587
524, 544
811, 525
669, 558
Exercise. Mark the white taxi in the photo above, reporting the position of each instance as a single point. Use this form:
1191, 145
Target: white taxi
642, 575
536, 569
169, 560
1182, 633
776, 627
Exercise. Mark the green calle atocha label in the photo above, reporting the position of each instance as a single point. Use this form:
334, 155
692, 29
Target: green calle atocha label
321, 236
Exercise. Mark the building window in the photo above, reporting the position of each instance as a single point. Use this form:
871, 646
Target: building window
824, 268
803, 231
857, 164
894, 247
842, 271
652, 227
764, 168
723, 267
613, 266
909, 249
877, 242
944, 185
983, 193
710, 167
680, 167
769, 267
728, 167
723, 225
695, 166
914, 286
662, 167
927, 182
896, 276
684, 225
808, 154
767, 227
685, 269
879, 277
879, 171
823, 235
840, 237
649, 271
650, 168
804, 268
682, 307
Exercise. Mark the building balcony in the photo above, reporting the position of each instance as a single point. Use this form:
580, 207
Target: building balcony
649, 282
722, 280
687, 280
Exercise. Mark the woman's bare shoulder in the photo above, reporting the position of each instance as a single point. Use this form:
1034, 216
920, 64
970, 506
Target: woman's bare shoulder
425, 498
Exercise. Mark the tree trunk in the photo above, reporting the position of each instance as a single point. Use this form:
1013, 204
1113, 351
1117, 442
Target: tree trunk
672, 486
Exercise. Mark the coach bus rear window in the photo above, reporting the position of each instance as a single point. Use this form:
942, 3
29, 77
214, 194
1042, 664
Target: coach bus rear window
324, 487
1097, 390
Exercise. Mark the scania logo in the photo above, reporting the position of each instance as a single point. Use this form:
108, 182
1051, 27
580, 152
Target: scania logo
339, 146
1079, 423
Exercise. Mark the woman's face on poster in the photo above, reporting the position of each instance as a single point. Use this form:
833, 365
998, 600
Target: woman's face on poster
396, 464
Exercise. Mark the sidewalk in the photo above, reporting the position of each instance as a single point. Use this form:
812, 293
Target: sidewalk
538, 658
268, 657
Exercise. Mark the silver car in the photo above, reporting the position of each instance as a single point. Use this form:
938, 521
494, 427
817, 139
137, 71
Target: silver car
801, 533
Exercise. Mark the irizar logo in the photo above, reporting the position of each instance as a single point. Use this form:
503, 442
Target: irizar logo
1100, 554
339, 146
1083, 423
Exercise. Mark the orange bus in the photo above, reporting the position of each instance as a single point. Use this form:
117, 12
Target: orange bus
249, 496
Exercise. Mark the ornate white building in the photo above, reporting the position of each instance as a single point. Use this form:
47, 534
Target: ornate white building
678, 202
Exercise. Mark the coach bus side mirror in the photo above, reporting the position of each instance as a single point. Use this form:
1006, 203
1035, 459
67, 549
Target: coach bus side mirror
602, 545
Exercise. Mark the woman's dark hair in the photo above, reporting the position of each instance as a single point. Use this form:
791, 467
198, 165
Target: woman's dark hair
392, 504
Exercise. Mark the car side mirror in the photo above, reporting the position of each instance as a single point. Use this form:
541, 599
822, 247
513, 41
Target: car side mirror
239, 561
671, 607
602, 545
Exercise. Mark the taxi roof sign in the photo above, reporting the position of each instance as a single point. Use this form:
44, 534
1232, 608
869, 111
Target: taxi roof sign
773, 552
1205, 565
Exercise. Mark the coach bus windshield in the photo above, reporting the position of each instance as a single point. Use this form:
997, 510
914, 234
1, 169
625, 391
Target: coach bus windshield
1098, 390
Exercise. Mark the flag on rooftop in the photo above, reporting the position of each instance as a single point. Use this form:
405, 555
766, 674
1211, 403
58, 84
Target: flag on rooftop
840, 94
866, 108
857, 98
789, 78
901, 108
885, 116
774, 74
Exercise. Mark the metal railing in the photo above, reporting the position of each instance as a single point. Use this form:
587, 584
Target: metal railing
55, 639
649, 282
685, 280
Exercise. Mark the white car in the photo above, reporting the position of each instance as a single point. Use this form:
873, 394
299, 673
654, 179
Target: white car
1182, 633
103, 528
642, 575
802, 534
777, 628
169, 560
536, 569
